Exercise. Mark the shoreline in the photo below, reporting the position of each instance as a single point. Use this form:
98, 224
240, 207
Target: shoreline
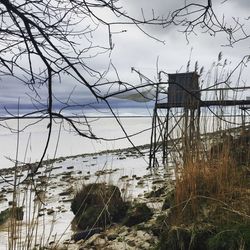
28, 166
125, 169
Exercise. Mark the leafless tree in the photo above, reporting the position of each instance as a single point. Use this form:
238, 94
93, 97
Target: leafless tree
42, 42
202, 16
45, 42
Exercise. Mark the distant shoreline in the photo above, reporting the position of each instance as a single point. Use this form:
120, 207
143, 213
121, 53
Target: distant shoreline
3, 118
71, 117
28, 166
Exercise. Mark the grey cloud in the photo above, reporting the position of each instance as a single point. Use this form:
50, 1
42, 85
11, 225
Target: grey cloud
134, 49
243, 3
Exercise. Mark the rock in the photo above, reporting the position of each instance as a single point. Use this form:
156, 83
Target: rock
140, 183
100, 172
50, 211
169, 200
131, 243
124, 177
12, 203
88, 205
54, 168
99, 242
67, 200
17, 213
67, 192
138, 213
112, 236
158, 181
122, 158
156, 193
119, 245
84, 235
145, 245
124, 233
9, 190
92, 239
143, 235
4, 215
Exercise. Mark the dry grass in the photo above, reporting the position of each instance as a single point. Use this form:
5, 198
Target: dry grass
217, 180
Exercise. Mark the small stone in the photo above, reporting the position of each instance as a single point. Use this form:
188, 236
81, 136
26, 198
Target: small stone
145, 245
124, 233
50, 211
131, 243
143, 235
99, 242
124, 177
112, 237
92, 239
12, 203
140, 183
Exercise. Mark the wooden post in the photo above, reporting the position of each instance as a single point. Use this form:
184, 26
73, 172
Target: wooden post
153, 139
165, 140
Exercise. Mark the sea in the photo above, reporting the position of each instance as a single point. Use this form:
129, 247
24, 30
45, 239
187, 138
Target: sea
24, 140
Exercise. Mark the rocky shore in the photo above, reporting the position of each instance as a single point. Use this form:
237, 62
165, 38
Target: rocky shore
204, 205
53, 187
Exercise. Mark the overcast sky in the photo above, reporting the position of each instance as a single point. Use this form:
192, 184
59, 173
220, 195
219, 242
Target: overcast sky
135, 49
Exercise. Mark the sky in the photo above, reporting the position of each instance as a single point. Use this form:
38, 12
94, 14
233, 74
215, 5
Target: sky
165, 48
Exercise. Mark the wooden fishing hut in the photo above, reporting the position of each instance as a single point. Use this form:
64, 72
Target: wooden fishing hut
183, 95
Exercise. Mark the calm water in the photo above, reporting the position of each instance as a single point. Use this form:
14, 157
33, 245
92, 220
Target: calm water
64, 140
34, 133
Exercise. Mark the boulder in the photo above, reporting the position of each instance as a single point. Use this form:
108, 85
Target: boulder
17, 212
98, 204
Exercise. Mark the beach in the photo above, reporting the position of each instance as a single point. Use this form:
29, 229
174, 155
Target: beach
76, 161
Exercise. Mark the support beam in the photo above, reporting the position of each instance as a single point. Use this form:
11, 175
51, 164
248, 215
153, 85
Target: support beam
206, 104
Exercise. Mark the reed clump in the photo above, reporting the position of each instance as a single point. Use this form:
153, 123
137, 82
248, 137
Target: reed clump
210, 204
217, 180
